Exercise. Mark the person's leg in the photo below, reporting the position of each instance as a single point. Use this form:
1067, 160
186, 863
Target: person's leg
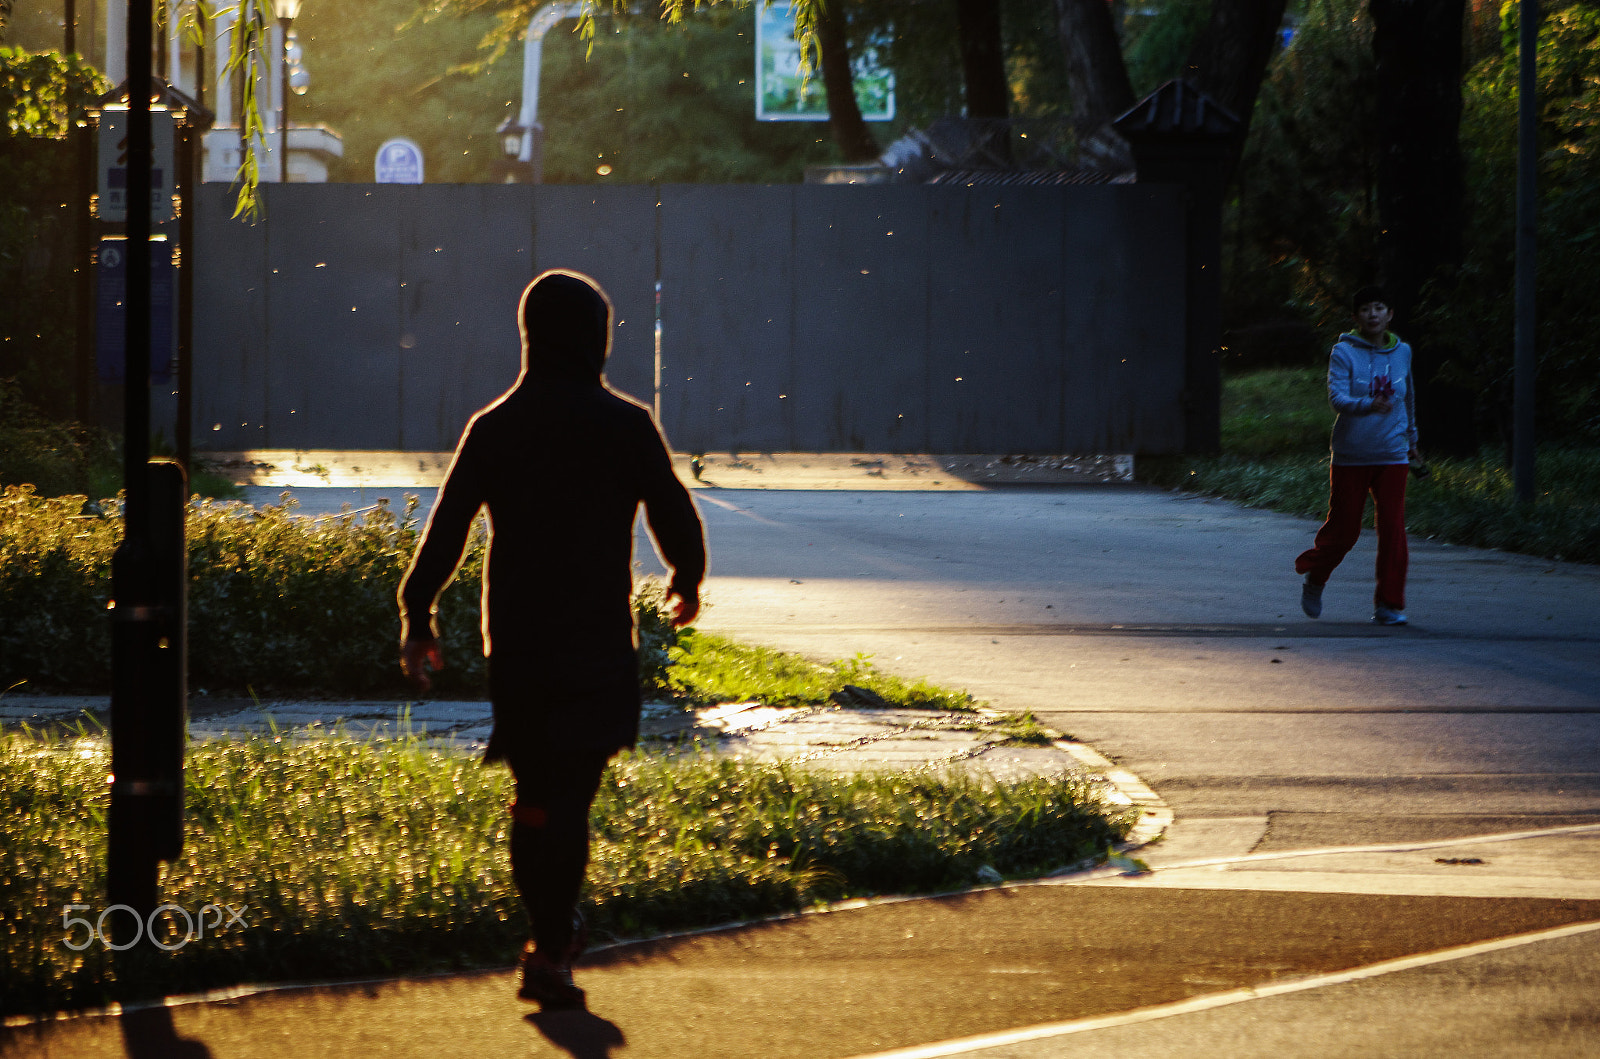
550, 841
1389, 496
1347, 500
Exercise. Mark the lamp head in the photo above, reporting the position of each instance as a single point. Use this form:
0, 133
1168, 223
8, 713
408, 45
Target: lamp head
511, 132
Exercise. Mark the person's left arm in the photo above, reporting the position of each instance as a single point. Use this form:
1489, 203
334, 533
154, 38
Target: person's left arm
674, 523
1411, 414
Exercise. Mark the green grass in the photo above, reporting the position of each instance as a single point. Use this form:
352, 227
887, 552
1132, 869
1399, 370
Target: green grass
384, 858
1275, 426
710, 669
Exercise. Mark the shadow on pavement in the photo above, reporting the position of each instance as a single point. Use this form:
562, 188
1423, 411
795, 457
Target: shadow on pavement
581, 1034
150, 1034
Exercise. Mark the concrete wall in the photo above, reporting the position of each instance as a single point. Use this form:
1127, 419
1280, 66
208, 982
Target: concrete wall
792, 318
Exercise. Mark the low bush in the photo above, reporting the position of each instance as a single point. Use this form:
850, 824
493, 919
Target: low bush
284, 604
55, 458
276, 602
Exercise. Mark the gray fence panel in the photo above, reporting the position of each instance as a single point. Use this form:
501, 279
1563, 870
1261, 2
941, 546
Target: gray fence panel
1123, 323
861, 318
332, 299
466, 253
727, 288
1153, 220
230, 336
994, 343
794, 318
609, 234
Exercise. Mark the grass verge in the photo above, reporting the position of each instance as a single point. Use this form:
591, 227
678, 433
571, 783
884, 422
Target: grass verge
1275, 426
707, 669
359, 858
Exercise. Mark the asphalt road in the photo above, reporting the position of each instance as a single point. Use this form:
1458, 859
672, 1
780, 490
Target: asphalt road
969, 969
1165, 630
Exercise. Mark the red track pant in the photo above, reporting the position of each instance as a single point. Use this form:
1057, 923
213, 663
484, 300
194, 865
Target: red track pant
1347, 501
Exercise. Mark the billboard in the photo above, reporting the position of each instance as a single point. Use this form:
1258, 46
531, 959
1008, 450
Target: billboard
783, 94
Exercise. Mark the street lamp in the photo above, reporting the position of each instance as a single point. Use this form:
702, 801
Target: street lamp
285, 10
299, 76
522, 145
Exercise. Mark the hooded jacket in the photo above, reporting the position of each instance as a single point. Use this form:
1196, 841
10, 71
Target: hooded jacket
562, 464
1358, 373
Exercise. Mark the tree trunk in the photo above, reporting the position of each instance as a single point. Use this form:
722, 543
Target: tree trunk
844, 114
983, 58
1229, 58
1417, 45
1096, 74
1097, 80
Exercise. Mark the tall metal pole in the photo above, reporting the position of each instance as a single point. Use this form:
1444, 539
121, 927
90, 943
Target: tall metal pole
130, 862
1526, 365
283, 94
136, 385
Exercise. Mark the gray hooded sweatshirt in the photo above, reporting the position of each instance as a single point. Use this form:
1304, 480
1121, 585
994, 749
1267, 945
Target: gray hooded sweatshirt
1359, 372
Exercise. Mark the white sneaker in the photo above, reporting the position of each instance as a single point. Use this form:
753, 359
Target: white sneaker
1382, 615
1311, 598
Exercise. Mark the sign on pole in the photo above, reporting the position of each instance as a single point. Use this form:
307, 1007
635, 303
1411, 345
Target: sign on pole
111, 312
782, 94
399, 161
112, 166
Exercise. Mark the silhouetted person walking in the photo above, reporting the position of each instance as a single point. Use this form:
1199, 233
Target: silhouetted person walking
558, 619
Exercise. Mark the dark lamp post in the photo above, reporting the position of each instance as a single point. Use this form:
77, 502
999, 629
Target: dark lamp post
286, 12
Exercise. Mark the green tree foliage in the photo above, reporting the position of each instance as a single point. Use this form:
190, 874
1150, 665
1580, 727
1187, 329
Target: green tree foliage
653, 101
921, 46
1476, 311
1304, 226
1156, 39
41, 95
658, 101
376, 74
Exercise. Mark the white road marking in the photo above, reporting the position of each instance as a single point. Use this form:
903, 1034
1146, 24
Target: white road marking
970, 1045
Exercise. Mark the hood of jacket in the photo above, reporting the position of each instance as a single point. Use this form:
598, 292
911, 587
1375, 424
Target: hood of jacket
566, 328
1354, 338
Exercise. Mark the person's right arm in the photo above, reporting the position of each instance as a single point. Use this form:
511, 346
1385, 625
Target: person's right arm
435, 562
1340, 373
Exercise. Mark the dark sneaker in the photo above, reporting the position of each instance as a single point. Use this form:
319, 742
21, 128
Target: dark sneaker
548, 983
580, 937
1384, 615
1311, 598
